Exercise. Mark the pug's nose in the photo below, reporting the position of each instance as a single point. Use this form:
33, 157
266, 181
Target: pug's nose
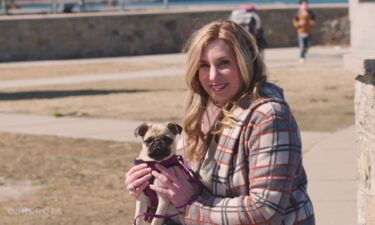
158, 144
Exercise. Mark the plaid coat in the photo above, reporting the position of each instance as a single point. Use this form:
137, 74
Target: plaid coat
258, 174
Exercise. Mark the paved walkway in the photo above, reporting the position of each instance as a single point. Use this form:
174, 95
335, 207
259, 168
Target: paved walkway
275, 58
331, 168
329, 158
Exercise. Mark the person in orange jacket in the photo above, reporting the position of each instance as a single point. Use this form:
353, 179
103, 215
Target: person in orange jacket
304, 22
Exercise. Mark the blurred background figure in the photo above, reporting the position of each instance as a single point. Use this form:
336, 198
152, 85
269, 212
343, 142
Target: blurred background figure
11, 4
111, 3
248, 18
304, 22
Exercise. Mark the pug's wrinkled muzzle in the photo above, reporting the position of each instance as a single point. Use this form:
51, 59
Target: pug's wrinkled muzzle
158, 150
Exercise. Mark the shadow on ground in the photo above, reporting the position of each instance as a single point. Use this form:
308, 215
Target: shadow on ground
26, 95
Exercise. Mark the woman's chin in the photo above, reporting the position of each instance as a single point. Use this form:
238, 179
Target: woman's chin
220, 101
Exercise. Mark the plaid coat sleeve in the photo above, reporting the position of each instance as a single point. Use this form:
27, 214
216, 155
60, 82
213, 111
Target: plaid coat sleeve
258, 176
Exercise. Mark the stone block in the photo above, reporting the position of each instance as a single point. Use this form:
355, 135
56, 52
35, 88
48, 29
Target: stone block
364, 103
366, 161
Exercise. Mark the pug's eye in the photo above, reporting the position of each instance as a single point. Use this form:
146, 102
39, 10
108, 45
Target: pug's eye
167, 140
149, 140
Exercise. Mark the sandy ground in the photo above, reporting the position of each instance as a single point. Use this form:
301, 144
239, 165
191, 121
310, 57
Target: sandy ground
77, 181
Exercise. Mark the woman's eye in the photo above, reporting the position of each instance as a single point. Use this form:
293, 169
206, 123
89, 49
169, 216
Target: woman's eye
223, 62
204, 65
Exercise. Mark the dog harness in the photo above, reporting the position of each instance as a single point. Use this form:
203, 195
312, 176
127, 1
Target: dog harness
151, 194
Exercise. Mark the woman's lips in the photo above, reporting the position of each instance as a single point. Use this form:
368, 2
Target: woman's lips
218, 87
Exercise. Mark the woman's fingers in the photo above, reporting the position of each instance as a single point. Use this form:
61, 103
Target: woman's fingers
168, 173
181, 175
139, 189
178, 191
162, 191
136, 168
165, 182
141, 173
137, 179
161, 177
142, 180
136, 172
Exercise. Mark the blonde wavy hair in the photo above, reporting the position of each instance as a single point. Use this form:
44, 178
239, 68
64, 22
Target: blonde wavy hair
252, 77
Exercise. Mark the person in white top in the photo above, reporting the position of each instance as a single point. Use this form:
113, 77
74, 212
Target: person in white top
248, 18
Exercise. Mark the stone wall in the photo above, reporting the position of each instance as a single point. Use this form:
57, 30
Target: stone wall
123, 33
364, 104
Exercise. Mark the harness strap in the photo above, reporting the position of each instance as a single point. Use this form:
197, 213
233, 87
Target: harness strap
154, 215
193, 177
172, 161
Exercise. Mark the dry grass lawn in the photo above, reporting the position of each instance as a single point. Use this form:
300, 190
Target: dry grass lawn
321, 98
82, 180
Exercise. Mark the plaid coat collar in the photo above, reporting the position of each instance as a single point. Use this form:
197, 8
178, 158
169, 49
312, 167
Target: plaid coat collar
230, 135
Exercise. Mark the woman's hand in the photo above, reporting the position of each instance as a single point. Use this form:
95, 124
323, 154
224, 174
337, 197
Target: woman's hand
174, 182
137, 179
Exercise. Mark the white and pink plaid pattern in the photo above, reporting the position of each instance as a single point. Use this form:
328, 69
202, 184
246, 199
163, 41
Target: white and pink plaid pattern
258, 174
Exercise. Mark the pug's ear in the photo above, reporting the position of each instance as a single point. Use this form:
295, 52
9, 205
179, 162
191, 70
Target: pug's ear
174, 128
141, 130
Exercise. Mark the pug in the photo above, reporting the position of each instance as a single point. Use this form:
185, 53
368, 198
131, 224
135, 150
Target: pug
158, 146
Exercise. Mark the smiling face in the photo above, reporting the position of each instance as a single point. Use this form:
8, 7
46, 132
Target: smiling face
219, 72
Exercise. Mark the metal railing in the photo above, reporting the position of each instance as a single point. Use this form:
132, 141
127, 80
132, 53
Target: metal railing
16, 7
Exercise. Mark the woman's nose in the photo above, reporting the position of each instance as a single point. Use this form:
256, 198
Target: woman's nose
214, 72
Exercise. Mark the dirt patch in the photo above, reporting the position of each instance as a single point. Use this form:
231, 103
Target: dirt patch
82, 180
320, 98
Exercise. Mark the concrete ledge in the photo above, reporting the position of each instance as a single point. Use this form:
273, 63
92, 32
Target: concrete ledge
113, 34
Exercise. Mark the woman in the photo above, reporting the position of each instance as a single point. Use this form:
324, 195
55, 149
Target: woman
241, 139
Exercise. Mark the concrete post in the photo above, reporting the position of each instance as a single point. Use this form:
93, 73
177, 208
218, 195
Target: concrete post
364, 103
362, 35
362, 24
365, 128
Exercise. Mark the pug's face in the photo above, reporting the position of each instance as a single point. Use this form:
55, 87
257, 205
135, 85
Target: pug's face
158, 140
